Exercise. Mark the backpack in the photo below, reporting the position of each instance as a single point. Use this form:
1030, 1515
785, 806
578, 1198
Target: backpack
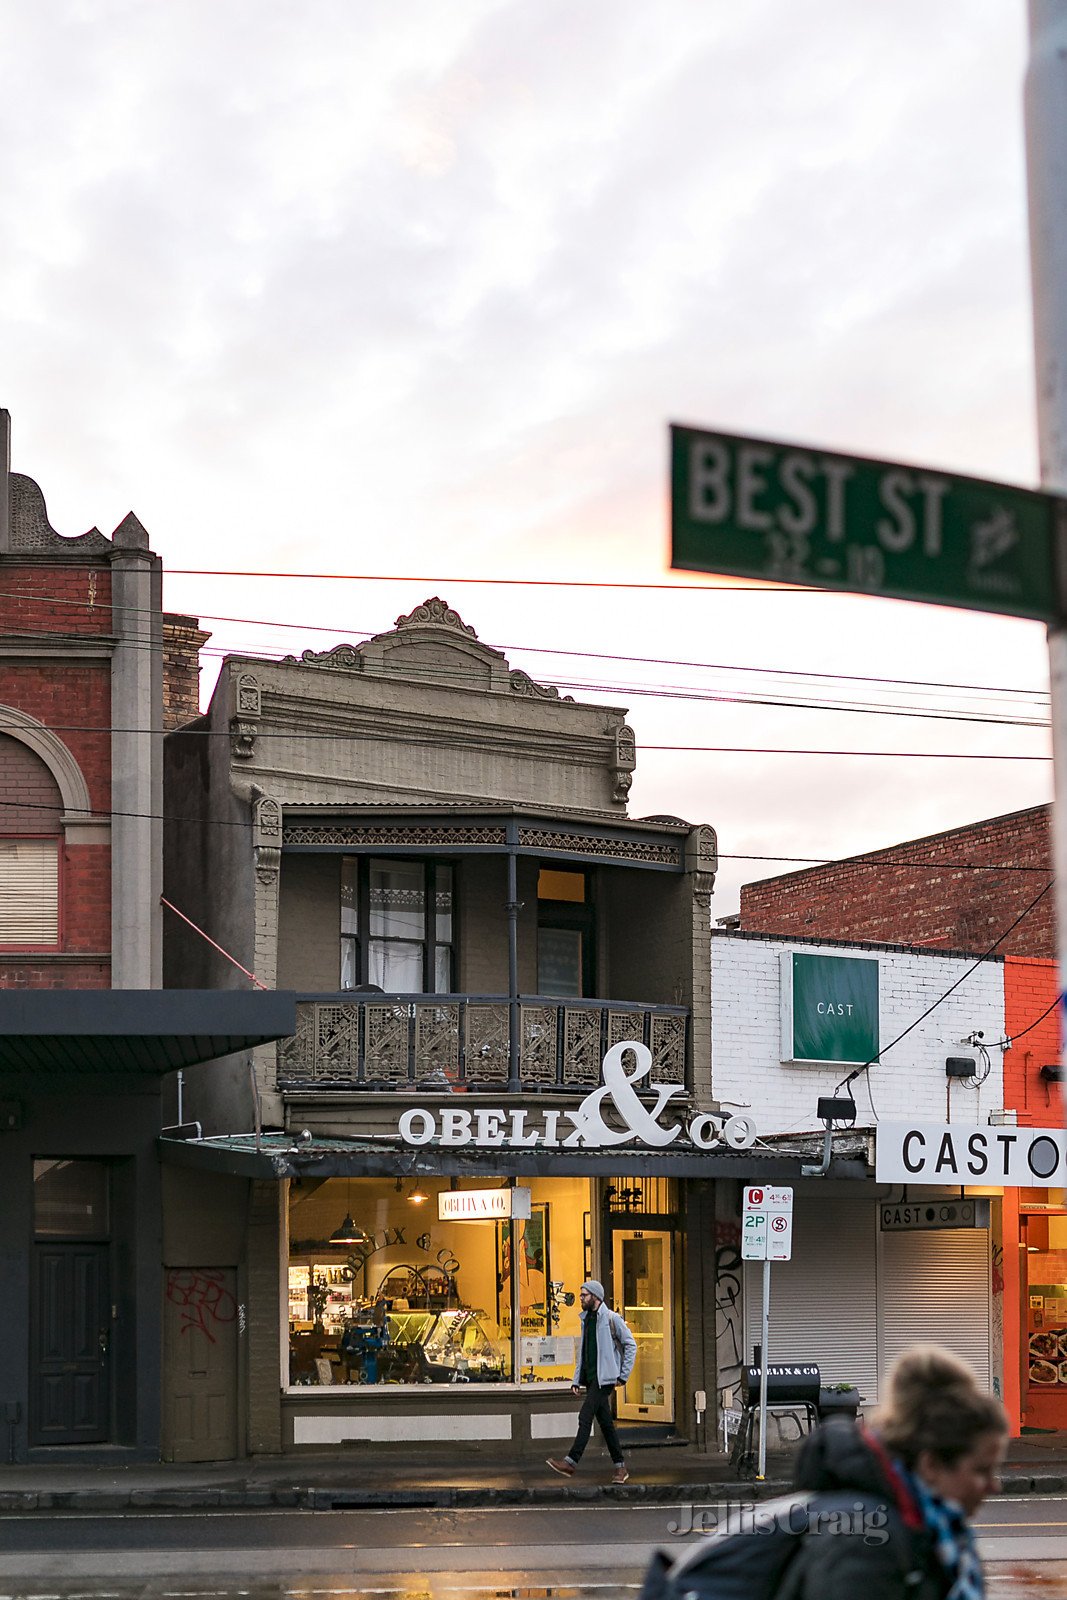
749, 1557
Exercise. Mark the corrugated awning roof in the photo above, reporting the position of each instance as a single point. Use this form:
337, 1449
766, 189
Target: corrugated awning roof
290, 1155
144, 1032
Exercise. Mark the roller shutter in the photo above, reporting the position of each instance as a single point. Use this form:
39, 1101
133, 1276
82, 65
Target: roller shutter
824, 1302
936, 1289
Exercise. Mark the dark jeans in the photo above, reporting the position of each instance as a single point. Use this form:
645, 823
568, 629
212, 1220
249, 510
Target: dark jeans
597, 1403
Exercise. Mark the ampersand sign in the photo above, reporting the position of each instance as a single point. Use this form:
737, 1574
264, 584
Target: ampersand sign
640, 1122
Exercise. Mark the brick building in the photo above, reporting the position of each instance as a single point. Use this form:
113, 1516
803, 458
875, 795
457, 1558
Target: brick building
969, 889
83, 1041
959, 890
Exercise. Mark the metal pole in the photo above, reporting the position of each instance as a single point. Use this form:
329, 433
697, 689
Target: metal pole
761, 1471
1046, 164
513, 909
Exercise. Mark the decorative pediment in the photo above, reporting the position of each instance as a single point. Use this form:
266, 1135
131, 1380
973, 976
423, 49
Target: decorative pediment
434, 645
31, 529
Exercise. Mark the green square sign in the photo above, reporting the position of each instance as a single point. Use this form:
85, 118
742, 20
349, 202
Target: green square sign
829, 1008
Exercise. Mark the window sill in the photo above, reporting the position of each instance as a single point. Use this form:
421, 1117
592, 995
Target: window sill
342, 1391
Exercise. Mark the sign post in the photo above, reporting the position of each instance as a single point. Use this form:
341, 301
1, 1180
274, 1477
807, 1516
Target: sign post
1046, 131
766, 1235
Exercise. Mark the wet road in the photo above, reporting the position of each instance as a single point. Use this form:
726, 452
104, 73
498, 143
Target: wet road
516, 1553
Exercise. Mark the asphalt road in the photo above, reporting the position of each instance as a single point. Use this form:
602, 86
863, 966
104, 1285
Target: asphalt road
580, 1553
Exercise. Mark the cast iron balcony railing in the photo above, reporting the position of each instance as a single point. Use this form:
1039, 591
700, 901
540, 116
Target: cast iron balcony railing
398, 1041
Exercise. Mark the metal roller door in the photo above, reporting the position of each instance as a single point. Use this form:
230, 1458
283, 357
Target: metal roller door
824, 1302
936, 1289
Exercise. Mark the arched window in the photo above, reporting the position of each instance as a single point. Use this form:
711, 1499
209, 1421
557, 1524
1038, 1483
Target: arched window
31, 811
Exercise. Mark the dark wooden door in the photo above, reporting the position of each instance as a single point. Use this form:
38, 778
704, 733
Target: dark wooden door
70, 1377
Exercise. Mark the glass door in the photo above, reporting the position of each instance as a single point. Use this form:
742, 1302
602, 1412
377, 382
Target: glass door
643, 1295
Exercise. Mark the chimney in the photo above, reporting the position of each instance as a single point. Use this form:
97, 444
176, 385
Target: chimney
183, 639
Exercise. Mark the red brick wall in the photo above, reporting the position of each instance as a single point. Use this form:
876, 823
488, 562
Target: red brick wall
1030, 987
56, 599
954, 890
73, 698
30, 801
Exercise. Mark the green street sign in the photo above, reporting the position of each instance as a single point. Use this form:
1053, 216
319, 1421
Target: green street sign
753, 508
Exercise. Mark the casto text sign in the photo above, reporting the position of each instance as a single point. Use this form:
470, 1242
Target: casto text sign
753, 508
957, 1153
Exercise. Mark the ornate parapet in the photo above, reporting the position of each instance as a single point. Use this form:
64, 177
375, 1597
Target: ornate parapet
267, 838
245, 714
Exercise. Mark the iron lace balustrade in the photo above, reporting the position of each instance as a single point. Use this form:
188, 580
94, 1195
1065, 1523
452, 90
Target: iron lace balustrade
382, 1041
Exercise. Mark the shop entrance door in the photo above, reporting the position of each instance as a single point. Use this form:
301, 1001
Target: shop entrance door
200, 1366
641, 1262
71, 1331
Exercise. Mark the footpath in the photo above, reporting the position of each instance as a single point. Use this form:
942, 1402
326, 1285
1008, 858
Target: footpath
339, 1480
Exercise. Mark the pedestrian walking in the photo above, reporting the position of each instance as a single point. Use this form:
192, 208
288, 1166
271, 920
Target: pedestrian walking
931, 1456
606, 1355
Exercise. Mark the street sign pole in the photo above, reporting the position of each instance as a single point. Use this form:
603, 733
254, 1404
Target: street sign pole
1046, 163
761, 1470
766, 1235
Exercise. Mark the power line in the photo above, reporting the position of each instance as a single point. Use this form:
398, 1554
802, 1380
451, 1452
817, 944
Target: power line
348, 633
847, 1082
874, 859
189, 730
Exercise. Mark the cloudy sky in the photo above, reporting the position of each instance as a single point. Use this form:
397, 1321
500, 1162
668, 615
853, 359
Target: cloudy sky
409, 291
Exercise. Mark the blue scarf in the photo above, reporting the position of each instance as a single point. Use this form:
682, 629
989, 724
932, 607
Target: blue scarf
953, 1538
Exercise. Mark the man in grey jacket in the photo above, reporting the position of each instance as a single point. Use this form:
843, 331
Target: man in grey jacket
606, 1355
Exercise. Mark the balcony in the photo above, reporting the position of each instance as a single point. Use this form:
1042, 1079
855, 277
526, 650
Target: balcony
398, 1041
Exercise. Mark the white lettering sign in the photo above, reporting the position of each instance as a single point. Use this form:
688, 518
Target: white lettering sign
480, 1205
959, 1152
584, 1127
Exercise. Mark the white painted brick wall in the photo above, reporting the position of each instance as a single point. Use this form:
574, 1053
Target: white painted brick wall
909, 1082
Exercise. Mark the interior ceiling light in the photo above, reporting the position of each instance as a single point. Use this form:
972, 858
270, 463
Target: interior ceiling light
349, 1232
418, 1195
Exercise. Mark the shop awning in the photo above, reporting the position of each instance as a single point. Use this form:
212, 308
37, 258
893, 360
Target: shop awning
142, 1032
287, 1155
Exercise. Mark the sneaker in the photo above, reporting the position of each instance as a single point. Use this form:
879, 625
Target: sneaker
564, 1468
621, 1473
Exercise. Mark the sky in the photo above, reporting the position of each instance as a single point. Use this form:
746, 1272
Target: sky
410, 292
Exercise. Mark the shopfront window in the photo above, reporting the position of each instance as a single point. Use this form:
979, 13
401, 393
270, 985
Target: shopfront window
396, 925
1045, 1237
419, 1300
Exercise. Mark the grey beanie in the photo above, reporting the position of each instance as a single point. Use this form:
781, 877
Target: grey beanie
595, 1287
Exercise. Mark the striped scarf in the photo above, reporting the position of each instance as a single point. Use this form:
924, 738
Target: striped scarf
953, 1539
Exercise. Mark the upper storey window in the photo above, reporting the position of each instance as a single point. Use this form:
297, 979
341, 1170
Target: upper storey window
397, 925
31, 810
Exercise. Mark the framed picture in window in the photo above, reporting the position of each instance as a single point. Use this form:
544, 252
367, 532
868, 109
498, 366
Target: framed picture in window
533, 1259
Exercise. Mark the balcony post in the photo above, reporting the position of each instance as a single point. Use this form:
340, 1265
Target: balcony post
513, 908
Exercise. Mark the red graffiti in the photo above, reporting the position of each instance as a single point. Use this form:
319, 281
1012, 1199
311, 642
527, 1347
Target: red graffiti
727, 1231
203, 1299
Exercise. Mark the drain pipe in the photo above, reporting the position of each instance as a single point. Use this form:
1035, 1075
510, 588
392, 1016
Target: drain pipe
830, 1109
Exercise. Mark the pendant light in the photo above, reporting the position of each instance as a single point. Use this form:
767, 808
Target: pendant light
418, 1195
348, 1232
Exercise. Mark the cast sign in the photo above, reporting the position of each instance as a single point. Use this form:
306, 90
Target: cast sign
960, 1152
925, 1215
498, 1128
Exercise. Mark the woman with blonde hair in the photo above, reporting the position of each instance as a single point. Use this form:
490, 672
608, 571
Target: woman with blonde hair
919, 1473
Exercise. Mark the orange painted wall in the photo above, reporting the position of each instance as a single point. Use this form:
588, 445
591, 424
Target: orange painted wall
1030, 988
